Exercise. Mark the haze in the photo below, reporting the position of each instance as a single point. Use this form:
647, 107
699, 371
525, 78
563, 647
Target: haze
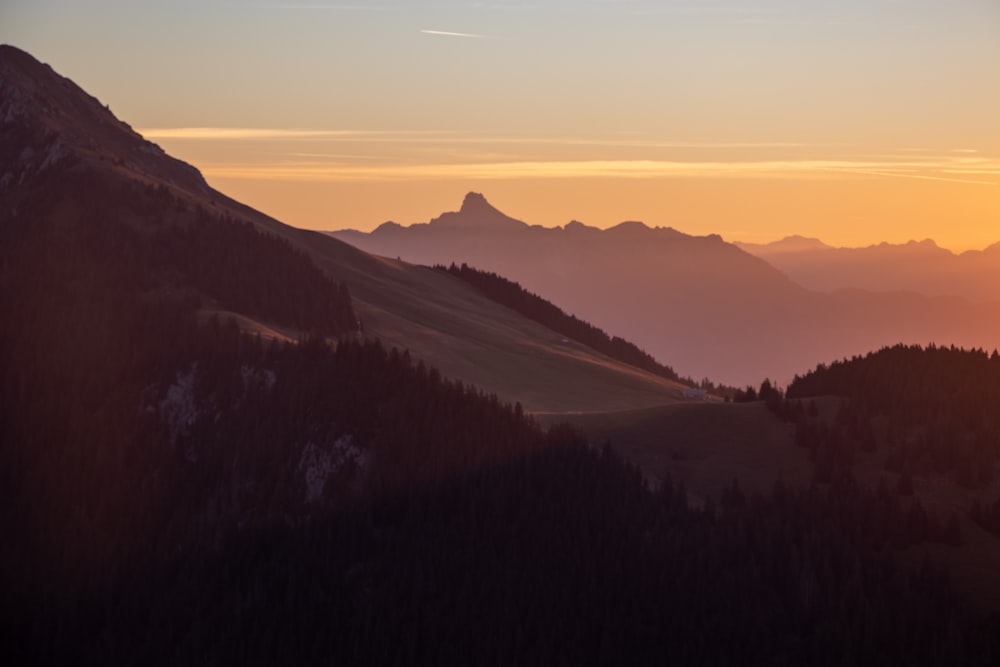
856, 122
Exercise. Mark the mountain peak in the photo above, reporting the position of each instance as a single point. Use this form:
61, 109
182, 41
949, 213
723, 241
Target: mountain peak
630, 228
476, 213
475, 202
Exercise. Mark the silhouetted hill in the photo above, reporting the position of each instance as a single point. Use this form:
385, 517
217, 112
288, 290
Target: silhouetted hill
699, 304
942, 406
916, 266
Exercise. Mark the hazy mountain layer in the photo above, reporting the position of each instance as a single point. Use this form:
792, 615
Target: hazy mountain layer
700, 304
917, 266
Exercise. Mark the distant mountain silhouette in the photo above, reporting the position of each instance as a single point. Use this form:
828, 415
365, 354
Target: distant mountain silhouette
789, 244
697, 303
917, 266
476, 214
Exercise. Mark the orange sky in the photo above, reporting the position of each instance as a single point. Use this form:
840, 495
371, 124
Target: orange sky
855, 122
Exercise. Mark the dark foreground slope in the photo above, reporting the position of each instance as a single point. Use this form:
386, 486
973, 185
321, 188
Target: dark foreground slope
559, 558
176, 491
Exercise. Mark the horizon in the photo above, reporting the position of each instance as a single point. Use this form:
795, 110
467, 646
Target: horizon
789, 237
856, 124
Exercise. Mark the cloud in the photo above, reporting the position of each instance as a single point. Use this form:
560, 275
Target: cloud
742, 11
244, 133
445, 33
325, 7
541, 169
923, 177
445, 154
436, 137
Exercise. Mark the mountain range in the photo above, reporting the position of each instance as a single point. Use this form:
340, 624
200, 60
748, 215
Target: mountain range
916, 266
705, 306
58, 133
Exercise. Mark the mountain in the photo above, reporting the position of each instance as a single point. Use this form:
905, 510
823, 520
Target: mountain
150, 342
789, 244
59, 133
697, 303
202, 460
916, 266
181, 371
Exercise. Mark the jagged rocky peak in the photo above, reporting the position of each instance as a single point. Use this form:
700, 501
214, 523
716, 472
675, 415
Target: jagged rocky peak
477, 213
475, 202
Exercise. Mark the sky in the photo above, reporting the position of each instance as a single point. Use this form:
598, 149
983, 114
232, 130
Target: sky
854, 121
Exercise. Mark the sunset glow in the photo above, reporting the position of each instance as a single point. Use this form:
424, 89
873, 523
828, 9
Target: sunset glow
494, 332
857, 123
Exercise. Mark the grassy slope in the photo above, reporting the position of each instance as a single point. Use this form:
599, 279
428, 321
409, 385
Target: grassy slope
452, 327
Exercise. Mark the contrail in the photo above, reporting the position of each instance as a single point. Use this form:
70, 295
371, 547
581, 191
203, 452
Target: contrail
456, 34
877, 172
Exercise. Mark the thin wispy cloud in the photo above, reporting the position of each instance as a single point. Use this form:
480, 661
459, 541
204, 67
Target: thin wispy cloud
330, 7
739, 11
437, 137
446, 33
922, 177
443, 154
785, 169
244, 133
334, 156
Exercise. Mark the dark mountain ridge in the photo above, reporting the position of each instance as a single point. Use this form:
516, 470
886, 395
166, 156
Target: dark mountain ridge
49, 121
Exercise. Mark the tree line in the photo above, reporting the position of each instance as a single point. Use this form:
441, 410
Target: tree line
928, 410
510, 294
